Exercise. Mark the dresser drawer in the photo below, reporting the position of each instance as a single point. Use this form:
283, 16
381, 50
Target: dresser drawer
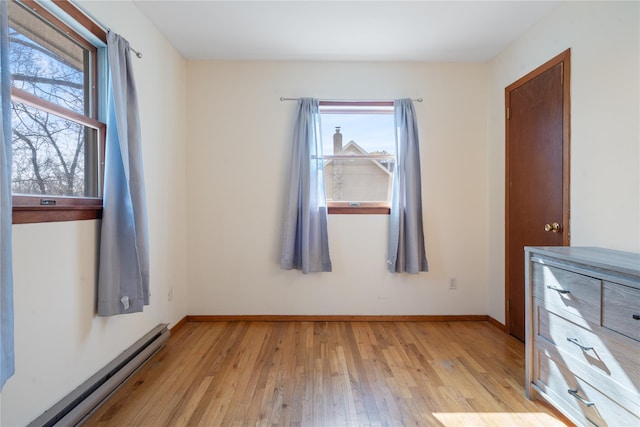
621, 309
566, 292
581, 398
605, 353
583, 333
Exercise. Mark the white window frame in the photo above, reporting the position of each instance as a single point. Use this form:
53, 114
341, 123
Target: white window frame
351, 107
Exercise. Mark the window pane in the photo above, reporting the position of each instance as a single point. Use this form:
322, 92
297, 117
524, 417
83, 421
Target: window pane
361, 180
372, 131
47, 63
357, 131
51, 155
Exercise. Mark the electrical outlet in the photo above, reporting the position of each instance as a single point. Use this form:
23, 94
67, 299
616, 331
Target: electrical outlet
453, 283
170, 294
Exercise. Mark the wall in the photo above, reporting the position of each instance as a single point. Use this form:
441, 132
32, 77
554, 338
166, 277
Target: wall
226, 244
605, 150
238, 156
59, 340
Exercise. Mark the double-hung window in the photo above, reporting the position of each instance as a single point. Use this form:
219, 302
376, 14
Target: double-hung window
358, 145
58, 141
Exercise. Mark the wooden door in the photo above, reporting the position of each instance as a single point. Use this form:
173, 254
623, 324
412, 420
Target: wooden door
537, 174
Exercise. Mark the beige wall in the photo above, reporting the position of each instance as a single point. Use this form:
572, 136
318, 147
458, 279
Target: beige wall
605, 141
239, 152
221, 234
59, 342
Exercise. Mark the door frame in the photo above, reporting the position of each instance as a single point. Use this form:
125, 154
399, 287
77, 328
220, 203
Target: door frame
563, 58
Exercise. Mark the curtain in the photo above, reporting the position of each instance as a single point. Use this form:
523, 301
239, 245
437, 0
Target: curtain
306, 243
7, 363
123, 277
406, 237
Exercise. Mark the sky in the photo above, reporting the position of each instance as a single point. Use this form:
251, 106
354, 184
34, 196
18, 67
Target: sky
373, 132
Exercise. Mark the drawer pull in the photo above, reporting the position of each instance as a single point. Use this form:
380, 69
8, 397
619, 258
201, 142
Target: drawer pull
636, 316
575, 394
558, 290
576, 342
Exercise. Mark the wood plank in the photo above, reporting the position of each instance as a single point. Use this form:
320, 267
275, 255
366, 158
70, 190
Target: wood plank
330, 374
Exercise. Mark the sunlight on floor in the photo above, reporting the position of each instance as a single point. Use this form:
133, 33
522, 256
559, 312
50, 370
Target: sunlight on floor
452, 419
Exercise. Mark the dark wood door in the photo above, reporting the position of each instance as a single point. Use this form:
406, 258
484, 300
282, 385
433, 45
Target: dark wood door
537, 199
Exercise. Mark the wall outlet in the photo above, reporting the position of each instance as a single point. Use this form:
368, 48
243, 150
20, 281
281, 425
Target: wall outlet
170, 295
453, 283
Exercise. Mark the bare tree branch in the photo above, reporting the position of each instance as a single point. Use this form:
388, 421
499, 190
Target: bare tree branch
46, 80
34, 160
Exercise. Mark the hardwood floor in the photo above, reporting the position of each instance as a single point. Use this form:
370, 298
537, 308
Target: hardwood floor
330, 374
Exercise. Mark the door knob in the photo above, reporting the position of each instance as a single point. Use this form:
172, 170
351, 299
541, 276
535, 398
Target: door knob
555, 227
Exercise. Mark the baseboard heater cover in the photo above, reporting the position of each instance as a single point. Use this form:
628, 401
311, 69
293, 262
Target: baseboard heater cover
77, 405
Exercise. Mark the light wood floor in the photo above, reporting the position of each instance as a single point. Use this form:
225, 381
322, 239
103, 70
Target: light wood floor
330, 374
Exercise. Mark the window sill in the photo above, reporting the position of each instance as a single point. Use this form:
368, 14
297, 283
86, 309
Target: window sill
28, 210
363, 208
32, 214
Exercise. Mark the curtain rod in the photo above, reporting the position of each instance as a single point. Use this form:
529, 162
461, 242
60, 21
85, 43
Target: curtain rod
100, 24
282, 98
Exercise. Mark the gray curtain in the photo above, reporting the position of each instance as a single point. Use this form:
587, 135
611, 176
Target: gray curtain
7, 361
406, 236
123, 278
306, 243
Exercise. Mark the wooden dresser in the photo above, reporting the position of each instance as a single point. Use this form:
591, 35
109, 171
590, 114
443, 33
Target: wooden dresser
583, 333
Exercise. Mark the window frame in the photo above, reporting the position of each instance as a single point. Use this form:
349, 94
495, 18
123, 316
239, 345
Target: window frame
43, 208
356, 208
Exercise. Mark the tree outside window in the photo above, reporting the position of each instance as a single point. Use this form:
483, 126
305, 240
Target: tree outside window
57, 141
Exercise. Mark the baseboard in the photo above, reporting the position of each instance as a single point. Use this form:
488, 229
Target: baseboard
497, 324
178, 325
337, 318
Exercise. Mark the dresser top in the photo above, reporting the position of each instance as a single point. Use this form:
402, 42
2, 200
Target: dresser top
627, 263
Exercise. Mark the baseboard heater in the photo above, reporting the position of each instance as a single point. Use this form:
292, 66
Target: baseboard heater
78, 404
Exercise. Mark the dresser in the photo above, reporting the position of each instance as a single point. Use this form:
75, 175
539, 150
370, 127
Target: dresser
583, 333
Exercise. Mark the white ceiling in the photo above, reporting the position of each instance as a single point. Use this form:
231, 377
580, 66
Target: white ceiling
438, 31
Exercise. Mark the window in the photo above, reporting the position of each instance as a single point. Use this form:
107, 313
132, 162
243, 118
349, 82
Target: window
358, 145
57, 142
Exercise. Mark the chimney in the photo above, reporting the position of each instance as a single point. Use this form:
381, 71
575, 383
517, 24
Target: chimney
337, 141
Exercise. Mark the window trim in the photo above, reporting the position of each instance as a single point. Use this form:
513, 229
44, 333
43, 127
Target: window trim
50, 107
357, 208
29, 209
360, 208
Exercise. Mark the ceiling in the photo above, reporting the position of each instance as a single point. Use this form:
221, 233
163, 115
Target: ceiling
433, 31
